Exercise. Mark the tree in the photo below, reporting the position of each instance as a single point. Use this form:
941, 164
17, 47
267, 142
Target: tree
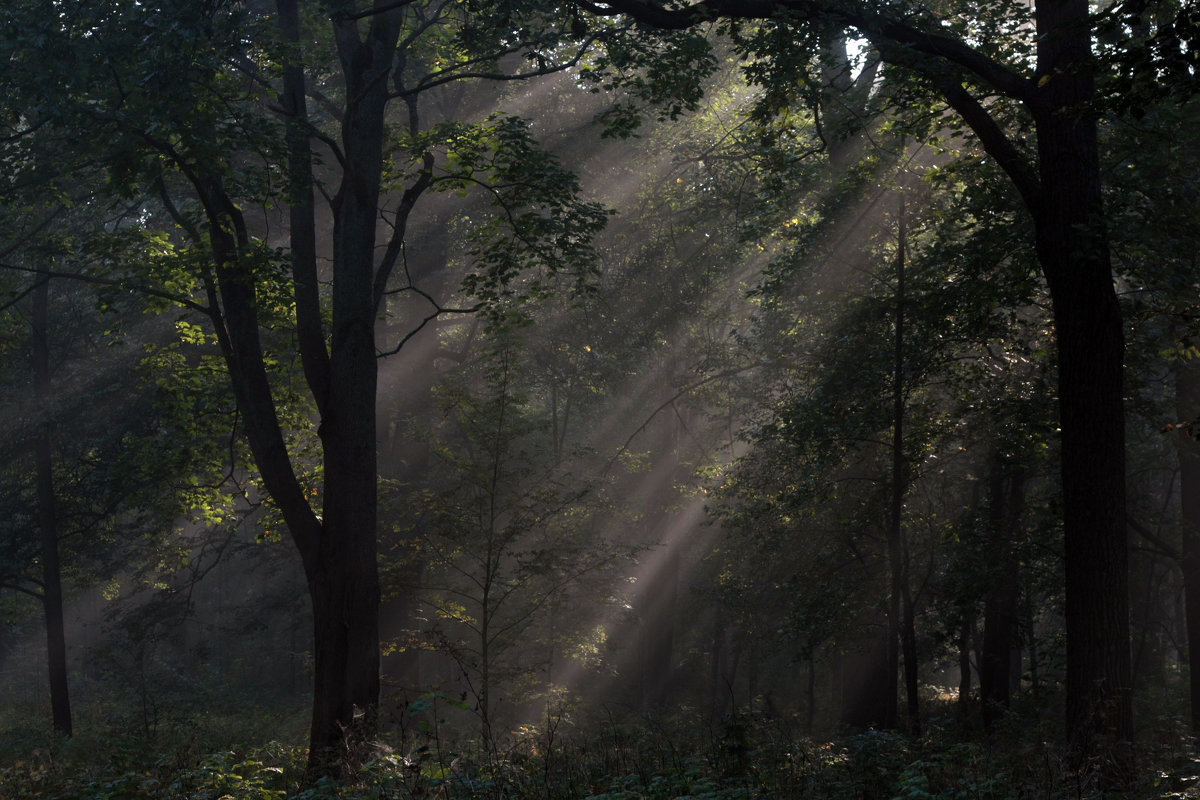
51, 583
512, 537
108, 459
1045, 65
196, 153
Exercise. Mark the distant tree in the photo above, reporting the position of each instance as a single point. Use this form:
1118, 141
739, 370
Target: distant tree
512, 538
110, 443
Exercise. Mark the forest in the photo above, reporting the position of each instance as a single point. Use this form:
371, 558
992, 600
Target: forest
608, 399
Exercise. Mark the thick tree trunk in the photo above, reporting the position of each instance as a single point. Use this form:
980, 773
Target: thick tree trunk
52, 599
343, 579
345, 605
1073, 251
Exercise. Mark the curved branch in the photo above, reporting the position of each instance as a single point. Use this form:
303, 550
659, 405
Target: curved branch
993, 139
14, 582
445, 76
670, 401
396, 242
438, 310
880, 29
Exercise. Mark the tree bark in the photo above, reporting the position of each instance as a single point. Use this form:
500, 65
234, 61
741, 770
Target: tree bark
52, 599
1072, 248
343, 580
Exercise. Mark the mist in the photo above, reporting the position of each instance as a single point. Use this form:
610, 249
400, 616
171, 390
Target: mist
542, 404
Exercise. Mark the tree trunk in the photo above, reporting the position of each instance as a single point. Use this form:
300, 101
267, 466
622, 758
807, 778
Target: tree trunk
1073, 251
343, 580
344, 590
52, 600
964, 667
810, 695
1187, 406
901, 622
1000, 604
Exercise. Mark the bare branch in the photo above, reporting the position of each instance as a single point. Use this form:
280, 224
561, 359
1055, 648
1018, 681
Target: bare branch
438, 310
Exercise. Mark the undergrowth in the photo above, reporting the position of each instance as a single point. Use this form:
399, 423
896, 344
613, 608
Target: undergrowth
614, 757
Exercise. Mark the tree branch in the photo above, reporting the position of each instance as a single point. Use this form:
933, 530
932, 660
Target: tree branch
136, 287
396, 242
880, 29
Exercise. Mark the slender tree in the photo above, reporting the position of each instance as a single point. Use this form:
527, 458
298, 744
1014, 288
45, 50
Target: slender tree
51, 589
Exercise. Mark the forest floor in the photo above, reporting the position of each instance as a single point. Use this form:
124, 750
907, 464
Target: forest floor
613, 757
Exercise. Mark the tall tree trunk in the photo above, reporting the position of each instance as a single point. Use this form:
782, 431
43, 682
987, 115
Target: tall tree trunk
52, 599
343, 580
901, 618
339, 548
1072, 248
810, 695
1187, 406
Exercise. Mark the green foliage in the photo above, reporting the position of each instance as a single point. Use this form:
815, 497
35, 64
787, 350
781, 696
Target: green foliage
613, 757
539, 229
652, 71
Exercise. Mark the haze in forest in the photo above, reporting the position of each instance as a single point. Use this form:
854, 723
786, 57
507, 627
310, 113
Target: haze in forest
454, 399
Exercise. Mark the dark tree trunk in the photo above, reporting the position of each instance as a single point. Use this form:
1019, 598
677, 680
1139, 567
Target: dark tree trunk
338, 549
52, 599
1187, 404
1035, 681
908, 644
343, 579
902, 636
1073, 251
868, 683
1000, 604
810, 695
344, 590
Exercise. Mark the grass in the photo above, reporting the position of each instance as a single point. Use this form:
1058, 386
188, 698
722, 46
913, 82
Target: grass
257, 755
